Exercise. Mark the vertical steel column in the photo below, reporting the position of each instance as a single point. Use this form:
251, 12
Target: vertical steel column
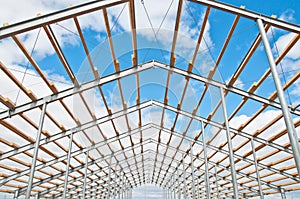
114, 183
280, 93
174, 188
256, 169
85, 173
198, 190
178, 183
171, 191
207, 186
122, 188
167, 193
68, 165
184, 182
193, 174
121, 182
282, 192
229, 142
109, 175
217, 184
36, 150
16, 195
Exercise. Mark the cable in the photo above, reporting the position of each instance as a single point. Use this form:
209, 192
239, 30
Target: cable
155, 32
117, 19
280, 64
206, 44
26, 68
51, 79
92, 41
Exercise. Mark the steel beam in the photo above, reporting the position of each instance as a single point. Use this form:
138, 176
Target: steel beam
68, 166
226, 153
178, 184
85, 174
184, 179
75, 90
219, 165
192, 168
257, 170
109, 176
154, 64
292, 134
189, 139
76, 129
230, 148
113, 116
209, 146
55, 17
207, 186
95, 172
21, 190
217, 184
218, 125
36, 150
249, 14
74, 153
282, 193
16, 194
225, 87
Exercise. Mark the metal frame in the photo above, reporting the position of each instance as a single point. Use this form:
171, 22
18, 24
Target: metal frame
236, 174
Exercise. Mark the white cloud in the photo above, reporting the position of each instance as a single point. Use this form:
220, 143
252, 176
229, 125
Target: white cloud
238, 83
288, 15
8, 52
283, 41
296, 92
291, 62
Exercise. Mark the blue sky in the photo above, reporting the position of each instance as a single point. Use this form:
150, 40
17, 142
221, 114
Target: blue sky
154, 47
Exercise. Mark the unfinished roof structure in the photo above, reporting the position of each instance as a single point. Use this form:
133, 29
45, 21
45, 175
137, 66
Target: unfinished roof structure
149, 104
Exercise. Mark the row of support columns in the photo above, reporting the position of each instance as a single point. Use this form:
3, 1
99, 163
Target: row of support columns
289, 125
